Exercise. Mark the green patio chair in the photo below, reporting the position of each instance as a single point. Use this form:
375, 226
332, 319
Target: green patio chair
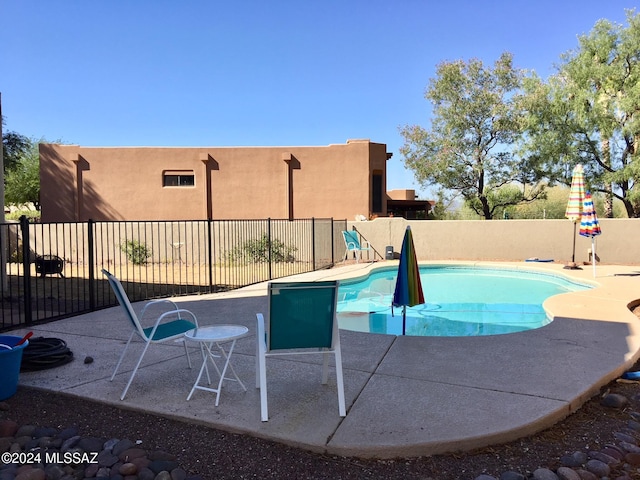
170, 325
301, 320
352, 243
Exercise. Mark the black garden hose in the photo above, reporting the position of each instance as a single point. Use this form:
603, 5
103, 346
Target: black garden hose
43, 353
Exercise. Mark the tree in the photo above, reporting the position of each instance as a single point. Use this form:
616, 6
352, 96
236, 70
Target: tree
589, 113
14, 145
477, 119
445, 207
22, 181
553, 206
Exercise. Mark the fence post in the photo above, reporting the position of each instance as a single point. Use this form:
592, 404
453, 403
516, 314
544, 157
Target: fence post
269, 245
333, 245
313, 243
210, 253
26, 267
92, 261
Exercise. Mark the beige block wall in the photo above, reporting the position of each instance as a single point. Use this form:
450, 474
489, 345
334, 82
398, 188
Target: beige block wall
506, 240
502, 240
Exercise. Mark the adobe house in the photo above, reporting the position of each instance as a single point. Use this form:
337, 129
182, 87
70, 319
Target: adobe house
405, 203
190, 183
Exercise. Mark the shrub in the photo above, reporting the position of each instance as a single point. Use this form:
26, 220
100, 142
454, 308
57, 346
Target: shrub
257, 251
32, 215
136, 252
15, 251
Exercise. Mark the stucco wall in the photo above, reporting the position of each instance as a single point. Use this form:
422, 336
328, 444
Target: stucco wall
125, 183
507, 240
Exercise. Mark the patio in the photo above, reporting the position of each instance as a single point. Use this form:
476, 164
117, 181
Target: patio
406, 396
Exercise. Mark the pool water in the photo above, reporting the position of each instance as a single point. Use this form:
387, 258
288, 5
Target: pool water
461, 301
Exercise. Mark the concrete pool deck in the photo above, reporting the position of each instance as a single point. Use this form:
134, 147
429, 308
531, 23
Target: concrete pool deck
406, 396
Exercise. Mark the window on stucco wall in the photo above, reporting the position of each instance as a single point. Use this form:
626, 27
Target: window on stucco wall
178, 178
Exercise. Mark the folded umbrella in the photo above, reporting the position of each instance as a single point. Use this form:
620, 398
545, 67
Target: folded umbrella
590, 227
574, 205
408, 291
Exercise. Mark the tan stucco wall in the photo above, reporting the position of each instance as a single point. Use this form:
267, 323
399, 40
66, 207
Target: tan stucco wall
402, 194
507, 240
125, 183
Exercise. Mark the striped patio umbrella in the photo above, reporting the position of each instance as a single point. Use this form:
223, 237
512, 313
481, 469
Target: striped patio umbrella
589, 226
574, 206
408, 292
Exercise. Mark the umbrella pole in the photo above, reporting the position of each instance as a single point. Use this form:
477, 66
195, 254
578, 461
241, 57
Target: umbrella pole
572, 264
404, 319
573, 255
593, 255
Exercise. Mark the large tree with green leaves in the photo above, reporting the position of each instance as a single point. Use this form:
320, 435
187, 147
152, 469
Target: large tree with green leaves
589, 113
477, 120
22, 180
13, 146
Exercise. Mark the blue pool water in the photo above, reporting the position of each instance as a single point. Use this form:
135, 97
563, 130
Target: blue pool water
461, 301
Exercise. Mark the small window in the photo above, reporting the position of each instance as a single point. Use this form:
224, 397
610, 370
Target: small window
178, 179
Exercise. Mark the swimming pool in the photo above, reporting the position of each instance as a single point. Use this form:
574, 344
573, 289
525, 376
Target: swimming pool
461, 301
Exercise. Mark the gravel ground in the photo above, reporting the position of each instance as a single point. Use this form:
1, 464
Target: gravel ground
214, 454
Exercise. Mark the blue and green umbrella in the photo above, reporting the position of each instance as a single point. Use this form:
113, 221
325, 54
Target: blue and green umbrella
408, 292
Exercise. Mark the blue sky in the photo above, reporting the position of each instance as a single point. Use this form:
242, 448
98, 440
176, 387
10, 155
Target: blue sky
254, 73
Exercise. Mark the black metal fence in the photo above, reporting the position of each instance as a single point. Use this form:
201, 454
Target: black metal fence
53, 270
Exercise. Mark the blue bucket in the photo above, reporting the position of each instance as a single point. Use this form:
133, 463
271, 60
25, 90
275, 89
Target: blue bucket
10, 361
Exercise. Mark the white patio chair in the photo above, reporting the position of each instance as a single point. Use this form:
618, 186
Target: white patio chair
160, 331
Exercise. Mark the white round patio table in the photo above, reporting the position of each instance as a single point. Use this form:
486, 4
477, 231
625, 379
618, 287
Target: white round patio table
210, 339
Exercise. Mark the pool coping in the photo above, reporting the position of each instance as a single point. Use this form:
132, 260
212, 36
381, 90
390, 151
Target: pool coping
406, 396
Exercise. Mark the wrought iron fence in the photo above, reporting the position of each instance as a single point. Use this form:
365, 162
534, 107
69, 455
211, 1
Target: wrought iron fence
53, 270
